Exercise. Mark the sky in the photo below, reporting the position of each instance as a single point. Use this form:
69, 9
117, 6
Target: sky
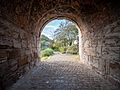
51, 27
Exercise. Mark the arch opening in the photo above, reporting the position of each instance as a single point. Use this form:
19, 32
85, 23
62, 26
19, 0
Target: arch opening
60, 20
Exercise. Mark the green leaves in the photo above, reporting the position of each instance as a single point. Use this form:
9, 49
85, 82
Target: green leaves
65, 35
47, 52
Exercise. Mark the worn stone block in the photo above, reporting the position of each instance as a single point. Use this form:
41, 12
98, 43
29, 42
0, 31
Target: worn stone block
13, 62
87, 44
14, 68
14, 53
102, 65
115, 70
94, 42
16, 43
15, 35
95, 62
4, 67
23, 60
3, 53
90, 51
5, 40
100, 42
98, 50
23, 34
111, 53
112, 41
24, 44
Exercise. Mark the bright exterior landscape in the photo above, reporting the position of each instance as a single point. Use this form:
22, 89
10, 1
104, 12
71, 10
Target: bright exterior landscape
59, 36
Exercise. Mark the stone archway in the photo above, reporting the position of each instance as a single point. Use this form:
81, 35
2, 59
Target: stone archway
60, 12
99, 22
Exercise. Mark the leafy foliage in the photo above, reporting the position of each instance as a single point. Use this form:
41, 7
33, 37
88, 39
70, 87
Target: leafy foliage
47, 52
65, 35
63, 41
72, 49
62, 49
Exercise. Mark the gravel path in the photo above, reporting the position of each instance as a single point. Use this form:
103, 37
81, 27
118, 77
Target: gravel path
62, 72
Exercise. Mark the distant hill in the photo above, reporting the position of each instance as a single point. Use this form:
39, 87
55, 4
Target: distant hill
43, 37
45, 42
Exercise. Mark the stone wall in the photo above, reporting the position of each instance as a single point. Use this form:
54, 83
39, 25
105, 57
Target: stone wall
101, 40
18, 52
21, 25
101, 50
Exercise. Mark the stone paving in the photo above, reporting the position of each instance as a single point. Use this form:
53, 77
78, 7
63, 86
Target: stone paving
62, 72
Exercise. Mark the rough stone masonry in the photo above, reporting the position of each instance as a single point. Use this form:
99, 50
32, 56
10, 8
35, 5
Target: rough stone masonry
21, 23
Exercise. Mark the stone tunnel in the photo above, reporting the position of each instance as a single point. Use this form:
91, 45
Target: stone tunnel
21, 23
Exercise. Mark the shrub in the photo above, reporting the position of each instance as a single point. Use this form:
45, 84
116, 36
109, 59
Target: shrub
62, 49
47, 52
72, 49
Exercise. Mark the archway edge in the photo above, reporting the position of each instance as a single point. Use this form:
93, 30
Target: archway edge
67, 18
58, 17
58, 13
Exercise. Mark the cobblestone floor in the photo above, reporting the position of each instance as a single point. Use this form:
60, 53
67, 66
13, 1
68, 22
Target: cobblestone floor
61, 72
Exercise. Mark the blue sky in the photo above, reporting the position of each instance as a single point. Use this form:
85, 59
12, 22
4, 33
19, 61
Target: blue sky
51, 27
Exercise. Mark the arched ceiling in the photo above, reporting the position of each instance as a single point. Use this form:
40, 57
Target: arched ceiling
31, 14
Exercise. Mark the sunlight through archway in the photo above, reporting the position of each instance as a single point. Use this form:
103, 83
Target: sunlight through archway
60, 36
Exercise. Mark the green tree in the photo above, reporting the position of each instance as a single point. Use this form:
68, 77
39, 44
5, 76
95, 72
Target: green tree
65, 35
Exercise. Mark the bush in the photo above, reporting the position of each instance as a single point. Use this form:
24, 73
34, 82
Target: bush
56, 46
47, 52
62, 49
72, 49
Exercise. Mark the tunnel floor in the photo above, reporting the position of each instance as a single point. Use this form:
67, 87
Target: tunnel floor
62, 72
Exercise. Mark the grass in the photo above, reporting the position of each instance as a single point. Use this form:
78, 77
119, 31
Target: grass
44, 58
46, 53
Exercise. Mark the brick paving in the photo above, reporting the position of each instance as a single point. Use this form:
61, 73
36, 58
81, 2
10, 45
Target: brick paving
61, 72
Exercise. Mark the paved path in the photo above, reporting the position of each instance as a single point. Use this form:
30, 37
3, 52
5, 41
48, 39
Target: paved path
61, 72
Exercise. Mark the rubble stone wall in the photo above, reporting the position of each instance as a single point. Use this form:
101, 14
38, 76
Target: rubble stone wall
20, 29
101, 50
18, 52
101, 45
